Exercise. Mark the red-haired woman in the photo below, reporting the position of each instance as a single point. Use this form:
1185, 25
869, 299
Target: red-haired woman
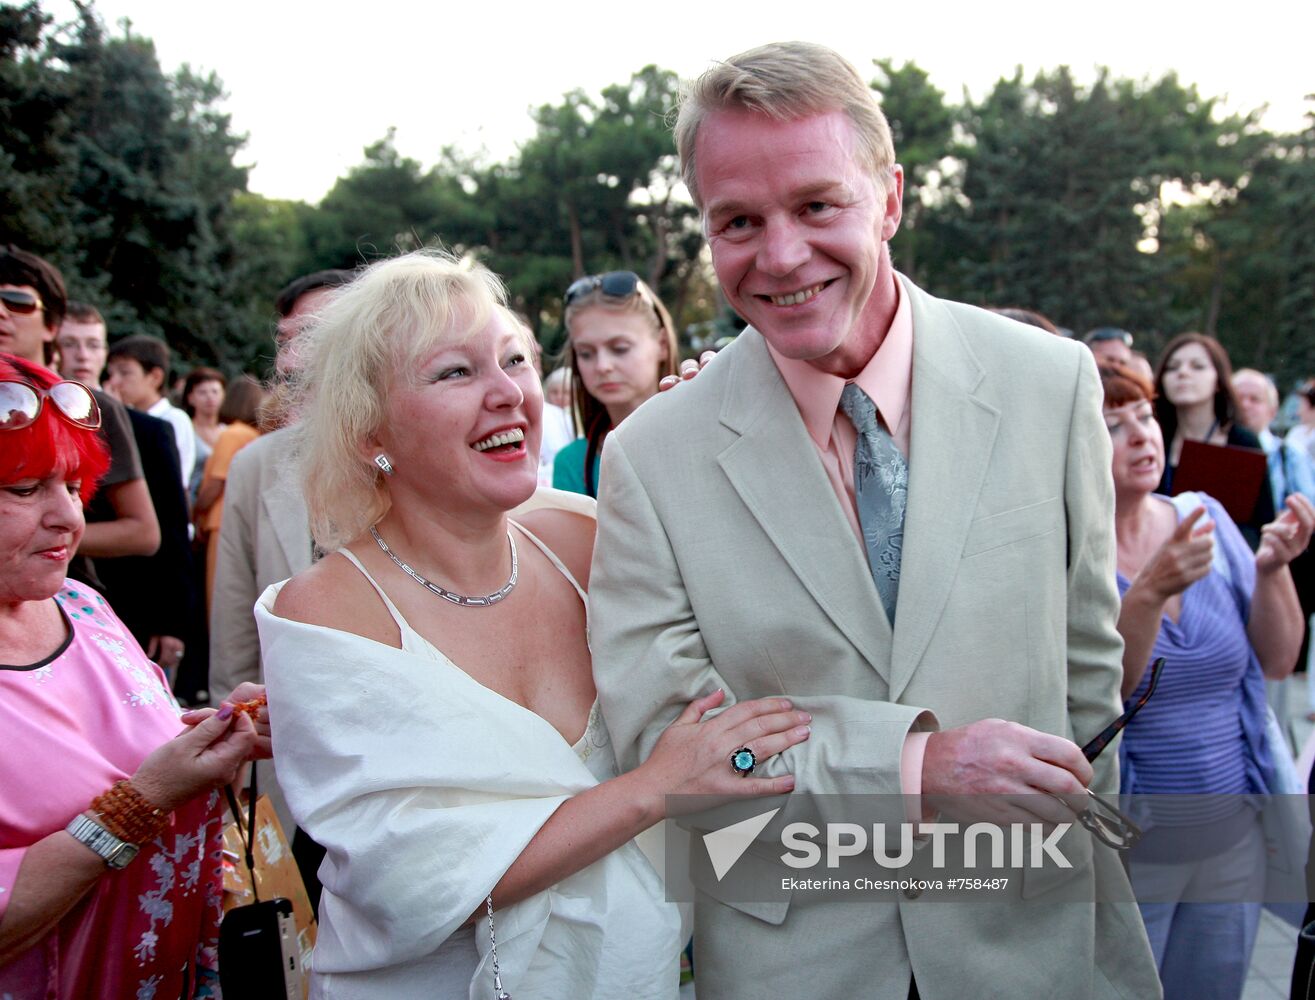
1224, 620
110, 820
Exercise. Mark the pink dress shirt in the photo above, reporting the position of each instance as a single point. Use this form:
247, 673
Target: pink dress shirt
888, 381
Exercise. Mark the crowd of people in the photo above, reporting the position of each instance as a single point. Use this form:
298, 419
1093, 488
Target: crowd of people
881, 543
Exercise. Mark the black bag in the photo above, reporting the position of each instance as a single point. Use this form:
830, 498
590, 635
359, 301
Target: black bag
259, 958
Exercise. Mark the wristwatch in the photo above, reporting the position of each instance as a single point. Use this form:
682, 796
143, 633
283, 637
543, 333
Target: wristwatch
115, 852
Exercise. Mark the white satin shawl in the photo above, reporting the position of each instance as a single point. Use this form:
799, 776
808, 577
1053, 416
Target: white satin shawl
424, 786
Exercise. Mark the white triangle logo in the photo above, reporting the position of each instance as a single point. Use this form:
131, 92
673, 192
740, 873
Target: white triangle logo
727, 845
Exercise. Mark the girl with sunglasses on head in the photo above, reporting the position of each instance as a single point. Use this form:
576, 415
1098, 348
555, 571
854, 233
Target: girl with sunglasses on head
1224, 620
620, 344
110, 818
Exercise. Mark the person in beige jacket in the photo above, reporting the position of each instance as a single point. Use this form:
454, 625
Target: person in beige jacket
738, 559
265, 538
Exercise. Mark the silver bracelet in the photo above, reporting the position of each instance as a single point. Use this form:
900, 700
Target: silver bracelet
498, 992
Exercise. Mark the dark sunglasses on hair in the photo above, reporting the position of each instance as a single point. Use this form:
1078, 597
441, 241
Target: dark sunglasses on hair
18, 301
1103, 819
613, 285
1105, 333
20, 404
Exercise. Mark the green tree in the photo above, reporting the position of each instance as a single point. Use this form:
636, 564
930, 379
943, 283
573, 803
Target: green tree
135, 172
922, 126
1060, 206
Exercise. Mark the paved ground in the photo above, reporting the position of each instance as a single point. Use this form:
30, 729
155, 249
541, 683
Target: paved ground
1271, 963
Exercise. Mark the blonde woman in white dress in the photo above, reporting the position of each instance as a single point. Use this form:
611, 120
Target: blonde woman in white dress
435, 719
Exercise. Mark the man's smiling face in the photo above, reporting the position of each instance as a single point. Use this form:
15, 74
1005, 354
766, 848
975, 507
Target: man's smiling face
798, 225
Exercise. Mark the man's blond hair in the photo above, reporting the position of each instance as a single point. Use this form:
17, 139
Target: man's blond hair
785, 80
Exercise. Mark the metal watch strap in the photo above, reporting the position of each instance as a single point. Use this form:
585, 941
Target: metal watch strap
114, 852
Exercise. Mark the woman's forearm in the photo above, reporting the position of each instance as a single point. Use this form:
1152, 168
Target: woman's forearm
55, 874
211, 490
1139, 623
1276, 622
585, 828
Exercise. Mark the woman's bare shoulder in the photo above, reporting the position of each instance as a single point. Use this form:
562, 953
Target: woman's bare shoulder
334, 594
568, 534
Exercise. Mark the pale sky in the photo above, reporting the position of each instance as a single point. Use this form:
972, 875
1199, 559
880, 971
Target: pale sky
313, 83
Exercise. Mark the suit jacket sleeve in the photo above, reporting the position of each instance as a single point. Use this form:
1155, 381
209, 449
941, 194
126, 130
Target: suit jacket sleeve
650, 659
1095, 649
234, 643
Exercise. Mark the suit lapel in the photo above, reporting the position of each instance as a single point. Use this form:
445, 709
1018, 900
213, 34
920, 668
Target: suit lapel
952, 434
774, 467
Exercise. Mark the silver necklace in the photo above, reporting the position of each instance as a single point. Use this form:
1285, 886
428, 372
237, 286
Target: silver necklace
447, 595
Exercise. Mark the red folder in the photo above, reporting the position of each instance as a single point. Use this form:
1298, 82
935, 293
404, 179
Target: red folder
1234, 476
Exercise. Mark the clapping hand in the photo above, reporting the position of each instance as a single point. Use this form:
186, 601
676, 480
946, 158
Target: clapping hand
1287, 536
1183, 559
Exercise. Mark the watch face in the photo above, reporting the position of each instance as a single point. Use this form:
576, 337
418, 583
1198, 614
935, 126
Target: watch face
122, 856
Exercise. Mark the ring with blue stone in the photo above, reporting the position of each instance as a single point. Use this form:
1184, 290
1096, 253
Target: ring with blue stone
743, 761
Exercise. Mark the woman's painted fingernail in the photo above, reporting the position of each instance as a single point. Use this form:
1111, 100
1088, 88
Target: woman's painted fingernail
226, 712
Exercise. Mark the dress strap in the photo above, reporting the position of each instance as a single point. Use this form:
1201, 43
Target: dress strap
552, 558
409, 635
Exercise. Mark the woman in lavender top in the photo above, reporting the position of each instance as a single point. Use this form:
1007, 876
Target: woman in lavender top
1224, 620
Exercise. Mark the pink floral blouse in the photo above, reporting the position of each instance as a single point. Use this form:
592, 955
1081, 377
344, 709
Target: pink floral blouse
74, 724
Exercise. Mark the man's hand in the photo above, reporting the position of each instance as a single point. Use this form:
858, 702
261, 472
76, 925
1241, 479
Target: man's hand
1003, 772
166, 650
1287, 536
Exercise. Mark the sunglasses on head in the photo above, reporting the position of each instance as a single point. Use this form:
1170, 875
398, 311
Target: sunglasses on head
1106, 333
21, 403
18, 301
613, 285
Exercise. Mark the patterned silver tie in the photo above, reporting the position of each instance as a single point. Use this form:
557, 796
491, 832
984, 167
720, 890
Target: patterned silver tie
881, 492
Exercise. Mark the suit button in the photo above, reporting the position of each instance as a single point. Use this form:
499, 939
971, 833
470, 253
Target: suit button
912, 893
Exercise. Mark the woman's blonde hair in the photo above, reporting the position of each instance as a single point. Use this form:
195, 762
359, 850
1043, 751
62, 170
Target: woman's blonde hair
379, 326
588, 414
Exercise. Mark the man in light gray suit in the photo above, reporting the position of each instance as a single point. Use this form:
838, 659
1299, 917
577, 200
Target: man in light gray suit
952, 634
264, 538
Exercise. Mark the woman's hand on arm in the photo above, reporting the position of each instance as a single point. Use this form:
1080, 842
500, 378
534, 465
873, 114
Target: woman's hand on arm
1275, 625
688, 369
57, 871
1175, 566
692, 757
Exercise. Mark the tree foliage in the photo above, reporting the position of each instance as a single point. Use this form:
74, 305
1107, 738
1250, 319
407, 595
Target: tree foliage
125, 177
1129, 202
